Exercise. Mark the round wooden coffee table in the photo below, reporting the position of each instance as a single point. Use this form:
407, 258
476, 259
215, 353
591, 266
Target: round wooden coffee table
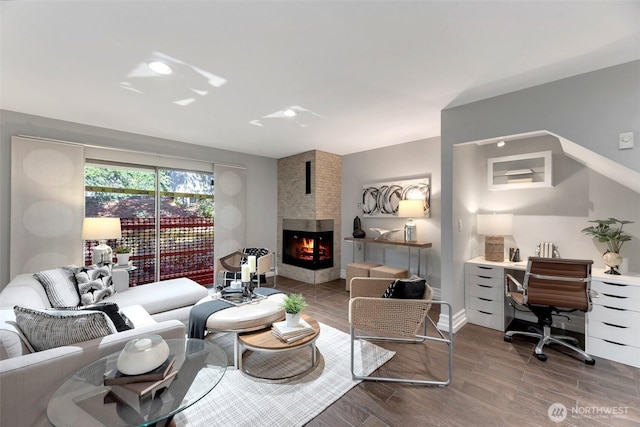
264, 341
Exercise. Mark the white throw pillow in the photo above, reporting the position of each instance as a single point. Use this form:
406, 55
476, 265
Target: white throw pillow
60, 286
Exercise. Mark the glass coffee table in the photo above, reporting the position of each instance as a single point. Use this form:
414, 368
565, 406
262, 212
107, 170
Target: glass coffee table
83, 400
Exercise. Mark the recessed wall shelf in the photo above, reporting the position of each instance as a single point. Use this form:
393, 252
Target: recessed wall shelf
531, 170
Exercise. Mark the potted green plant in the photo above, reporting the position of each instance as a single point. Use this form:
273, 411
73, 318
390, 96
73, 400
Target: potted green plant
293, 305
123, 253
609, 231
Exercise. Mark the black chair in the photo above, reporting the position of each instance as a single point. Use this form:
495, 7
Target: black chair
552, 286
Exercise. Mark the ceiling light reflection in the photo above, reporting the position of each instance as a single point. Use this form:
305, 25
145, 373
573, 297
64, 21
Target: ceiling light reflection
160, 67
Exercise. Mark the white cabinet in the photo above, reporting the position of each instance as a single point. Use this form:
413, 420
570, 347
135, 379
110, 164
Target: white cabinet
531, 170
613, 325
484, 294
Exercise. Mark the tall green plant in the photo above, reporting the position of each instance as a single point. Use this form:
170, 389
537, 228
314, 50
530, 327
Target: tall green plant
609, 231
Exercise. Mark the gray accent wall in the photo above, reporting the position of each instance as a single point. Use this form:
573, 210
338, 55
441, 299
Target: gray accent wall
261, 171
408, 160
590, 110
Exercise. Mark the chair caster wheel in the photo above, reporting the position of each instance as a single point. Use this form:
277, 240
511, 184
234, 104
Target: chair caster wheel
590, 362
507, 338
542, 357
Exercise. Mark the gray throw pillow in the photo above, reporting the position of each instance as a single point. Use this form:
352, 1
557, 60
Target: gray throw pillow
94, 283
51, 329
60, 286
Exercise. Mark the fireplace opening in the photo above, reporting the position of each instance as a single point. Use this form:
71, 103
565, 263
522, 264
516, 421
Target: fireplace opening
307, 244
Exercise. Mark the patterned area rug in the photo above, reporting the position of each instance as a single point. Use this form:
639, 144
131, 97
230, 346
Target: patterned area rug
239, 400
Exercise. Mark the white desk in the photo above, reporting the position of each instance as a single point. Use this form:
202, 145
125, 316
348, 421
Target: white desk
612, 327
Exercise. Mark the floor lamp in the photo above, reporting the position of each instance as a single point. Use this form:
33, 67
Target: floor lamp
101, 229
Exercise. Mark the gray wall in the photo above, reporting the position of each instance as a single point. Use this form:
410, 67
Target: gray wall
556, 214
407, 160
261, 171
590, 110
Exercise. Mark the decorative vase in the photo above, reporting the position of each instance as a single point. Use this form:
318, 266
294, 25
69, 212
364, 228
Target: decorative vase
123, 259
613, 261
142, 355
293, 320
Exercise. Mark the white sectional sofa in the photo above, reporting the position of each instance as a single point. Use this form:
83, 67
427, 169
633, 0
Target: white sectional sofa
28, 379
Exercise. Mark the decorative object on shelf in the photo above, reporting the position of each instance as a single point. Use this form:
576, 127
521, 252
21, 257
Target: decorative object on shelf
547, 250
384, 234
410, 209
293, 305
358, 232
101, 229
494, 227
609, 231
142, 355
382, 199
123, 253
530, 170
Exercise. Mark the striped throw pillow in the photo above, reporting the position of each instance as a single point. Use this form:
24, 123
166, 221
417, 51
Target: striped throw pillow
60, 286
51, 329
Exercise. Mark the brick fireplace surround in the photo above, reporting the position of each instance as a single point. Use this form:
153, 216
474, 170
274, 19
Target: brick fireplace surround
321, 203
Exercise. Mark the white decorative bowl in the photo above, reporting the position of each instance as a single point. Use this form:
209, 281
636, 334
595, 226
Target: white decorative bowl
142, 355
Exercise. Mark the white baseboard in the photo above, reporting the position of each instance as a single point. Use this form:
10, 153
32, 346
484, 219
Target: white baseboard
458, 321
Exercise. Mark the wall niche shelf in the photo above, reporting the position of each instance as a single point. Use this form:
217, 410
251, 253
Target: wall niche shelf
531, 170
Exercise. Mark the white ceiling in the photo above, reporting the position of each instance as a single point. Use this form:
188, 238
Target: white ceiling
365, 74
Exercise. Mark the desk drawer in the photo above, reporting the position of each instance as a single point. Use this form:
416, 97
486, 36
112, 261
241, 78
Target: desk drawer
627, 354
616, 333
616, 301
617, 289
486, 291
615, 316
486, 272
487, 320
488, 306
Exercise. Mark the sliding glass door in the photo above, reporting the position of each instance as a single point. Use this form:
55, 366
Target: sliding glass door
166, 217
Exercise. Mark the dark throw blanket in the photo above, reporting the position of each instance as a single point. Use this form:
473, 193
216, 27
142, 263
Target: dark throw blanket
200, 313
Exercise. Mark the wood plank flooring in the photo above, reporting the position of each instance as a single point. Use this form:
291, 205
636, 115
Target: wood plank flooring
494, 383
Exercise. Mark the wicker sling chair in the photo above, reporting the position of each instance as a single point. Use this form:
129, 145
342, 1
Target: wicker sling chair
396, 320
228, 267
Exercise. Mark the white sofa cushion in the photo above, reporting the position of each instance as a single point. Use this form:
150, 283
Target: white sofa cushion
13, 343
60, 285
51, 329
161, 296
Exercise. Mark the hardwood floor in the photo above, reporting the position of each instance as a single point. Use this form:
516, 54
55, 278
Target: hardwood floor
494, 383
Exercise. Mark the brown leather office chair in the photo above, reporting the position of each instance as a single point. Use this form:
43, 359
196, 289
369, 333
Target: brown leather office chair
552, 285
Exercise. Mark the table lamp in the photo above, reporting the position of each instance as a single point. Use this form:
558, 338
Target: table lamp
410, 209
494, 227
101, 229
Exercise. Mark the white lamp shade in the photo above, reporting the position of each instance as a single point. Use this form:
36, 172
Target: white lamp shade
495, 224
410, 208
101, 229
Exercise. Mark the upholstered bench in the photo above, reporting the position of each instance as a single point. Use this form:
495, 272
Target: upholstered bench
246, 317
388, 271
358, 269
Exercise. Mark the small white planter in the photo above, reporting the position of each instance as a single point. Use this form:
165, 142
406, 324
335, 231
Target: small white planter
123, 259
293, 320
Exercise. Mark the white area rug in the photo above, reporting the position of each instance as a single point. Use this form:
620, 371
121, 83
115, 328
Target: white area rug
239, 400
